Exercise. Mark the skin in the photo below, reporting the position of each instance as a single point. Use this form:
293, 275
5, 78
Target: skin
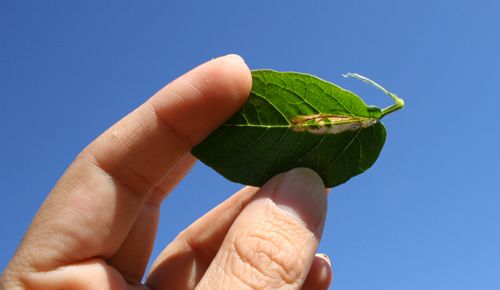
96, 228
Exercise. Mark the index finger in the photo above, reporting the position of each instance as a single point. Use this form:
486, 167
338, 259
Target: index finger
95, 203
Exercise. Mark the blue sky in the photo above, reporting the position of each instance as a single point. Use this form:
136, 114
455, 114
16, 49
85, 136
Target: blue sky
425, 216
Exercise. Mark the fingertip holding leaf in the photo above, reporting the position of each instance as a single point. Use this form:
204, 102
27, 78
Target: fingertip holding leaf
297, 120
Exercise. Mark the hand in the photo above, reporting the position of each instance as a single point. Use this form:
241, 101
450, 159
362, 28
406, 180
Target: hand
96, 228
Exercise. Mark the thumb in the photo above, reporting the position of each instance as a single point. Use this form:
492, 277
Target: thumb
272, 243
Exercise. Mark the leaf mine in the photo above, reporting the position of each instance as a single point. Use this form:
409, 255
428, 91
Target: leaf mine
330, 124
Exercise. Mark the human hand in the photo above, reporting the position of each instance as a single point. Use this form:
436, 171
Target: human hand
96, 228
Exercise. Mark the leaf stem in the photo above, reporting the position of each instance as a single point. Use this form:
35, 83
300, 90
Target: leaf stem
399, 103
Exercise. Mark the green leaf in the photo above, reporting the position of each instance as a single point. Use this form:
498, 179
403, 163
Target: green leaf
297, 120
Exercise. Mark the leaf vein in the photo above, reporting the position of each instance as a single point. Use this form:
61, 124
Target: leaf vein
341, 153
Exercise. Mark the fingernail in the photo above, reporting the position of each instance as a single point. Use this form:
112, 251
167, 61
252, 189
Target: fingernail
233, 58
325, 258
301, 194
323, 271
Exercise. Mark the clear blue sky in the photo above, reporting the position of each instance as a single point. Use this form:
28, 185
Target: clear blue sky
425, 216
